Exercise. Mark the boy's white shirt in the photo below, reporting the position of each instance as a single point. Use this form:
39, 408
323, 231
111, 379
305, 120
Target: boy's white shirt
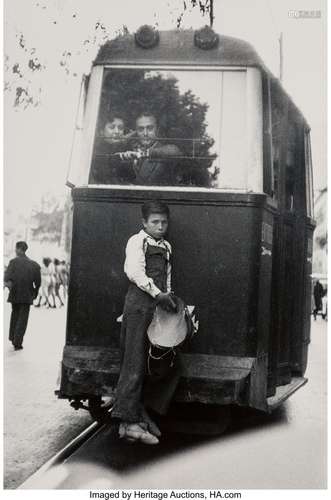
135, 262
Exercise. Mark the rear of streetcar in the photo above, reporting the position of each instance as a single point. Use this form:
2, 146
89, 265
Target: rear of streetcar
240, 196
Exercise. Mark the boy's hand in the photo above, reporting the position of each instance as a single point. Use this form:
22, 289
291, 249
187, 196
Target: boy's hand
166, 301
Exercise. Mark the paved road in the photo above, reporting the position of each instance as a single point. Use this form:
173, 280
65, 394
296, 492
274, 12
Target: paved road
286, 450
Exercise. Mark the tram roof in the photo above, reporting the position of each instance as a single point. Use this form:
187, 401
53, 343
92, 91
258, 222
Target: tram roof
177, 47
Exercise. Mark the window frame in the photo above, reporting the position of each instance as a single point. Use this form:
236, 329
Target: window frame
254, 124
308, 174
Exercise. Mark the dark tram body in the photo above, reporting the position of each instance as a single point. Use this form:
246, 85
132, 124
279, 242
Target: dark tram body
240, 199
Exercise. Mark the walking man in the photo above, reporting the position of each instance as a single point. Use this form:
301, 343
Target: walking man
23, 279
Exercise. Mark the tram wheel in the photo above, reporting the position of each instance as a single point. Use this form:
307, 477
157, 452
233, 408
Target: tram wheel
99, 408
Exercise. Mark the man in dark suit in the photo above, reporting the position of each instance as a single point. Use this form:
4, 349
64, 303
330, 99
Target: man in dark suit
23, 279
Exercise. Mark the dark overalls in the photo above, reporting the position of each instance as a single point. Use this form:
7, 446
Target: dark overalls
134, 387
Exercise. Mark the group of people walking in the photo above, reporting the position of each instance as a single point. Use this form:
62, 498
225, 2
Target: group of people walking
28, 282
54, 283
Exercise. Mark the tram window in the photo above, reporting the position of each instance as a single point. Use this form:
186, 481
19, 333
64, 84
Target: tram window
288, 154
290, 167
276, 146
309, 175
171, 127
268, 176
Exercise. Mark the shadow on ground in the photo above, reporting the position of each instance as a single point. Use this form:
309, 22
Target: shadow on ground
107, 450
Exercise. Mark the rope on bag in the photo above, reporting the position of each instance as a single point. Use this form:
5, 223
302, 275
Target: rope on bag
156, 358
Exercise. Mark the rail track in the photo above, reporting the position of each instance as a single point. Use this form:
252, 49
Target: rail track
45, 477
97, 458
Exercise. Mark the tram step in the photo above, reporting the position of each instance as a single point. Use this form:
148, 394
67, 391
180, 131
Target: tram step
285, 391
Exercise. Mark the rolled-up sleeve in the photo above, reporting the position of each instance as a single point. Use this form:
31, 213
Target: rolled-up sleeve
135, 266
165, 151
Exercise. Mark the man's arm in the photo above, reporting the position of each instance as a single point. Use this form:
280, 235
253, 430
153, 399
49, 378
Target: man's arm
158, 152
164, 151
9, 275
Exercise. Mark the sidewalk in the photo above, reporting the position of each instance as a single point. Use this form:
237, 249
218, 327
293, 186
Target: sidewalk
36, 423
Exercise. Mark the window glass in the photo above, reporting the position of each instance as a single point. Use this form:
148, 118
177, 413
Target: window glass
172, 128
268, 175
276, 120
309, 176
292, 167
290, 155
76, 173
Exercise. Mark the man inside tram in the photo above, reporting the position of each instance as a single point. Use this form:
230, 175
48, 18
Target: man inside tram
155, 161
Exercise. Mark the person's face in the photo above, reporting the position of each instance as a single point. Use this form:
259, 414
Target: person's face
146, 130
156, 225
114, 129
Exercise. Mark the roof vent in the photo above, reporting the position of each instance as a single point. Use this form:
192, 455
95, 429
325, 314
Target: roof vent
147, 37
206, 38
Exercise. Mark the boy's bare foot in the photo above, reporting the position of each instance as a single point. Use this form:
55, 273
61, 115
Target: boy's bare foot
151, 425
134, 433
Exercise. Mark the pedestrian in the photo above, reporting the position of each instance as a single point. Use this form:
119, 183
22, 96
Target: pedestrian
318, 294
45, 283
57, 280
63, 277
148, 267
23, 279
325, 304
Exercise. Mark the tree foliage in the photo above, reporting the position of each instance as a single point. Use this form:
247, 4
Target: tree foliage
206, 8
132, 92
27, 62
322, 241
47, 220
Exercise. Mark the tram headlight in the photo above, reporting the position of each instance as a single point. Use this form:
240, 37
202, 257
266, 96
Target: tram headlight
206, 38
147, 37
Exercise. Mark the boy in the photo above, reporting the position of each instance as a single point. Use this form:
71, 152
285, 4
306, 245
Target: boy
107, 167
148, 267
114, 129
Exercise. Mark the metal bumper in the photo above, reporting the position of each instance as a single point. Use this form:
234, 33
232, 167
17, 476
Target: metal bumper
220, 380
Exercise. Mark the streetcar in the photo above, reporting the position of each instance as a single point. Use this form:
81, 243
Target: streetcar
239, 190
